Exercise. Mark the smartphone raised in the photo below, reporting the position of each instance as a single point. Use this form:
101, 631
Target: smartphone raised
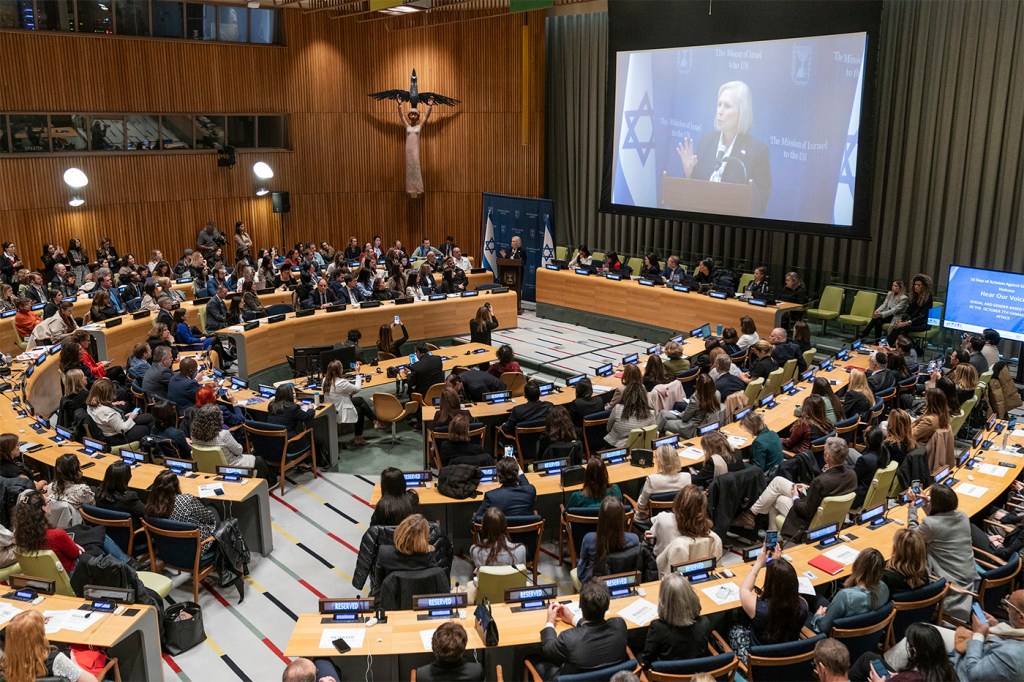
978, 612
397, 320
880, 669
771, 539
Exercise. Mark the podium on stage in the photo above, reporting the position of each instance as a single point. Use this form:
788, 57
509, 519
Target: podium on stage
702, 196
510, 274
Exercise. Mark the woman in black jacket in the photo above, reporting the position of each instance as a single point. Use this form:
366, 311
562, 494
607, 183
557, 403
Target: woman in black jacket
75, 392
481, 326
916, 319
386, 341
680, 632
457, 448
115, 495
71, 359
283, 411
762, 363
411, 552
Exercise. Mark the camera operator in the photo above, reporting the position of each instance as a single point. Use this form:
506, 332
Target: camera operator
209, 239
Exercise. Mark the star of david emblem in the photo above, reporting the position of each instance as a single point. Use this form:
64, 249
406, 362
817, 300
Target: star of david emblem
549, 253
645, 147
489, 246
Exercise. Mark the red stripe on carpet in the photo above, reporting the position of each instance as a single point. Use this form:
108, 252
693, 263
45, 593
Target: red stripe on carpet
550, 554
277, 652
275, 497
215, 593
363, 501
312, 589
332, 535
171, 664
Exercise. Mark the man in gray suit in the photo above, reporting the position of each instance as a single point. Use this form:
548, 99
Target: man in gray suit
158, 376
217, 310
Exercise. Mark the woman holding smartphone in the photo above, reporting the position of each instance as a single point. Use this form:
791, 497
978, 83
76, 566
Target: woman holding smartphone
107, 414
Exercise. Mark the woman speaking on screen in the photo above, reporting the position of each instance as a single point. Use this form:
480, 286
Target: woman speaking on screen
730, 154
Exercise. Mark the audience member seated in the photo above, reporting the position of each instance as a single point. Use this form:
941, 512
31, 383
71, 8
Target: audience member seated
749, 336
668, 479
916, 317
457, 448
631, 374
593, 642
515, 496
581, 258
33, 533
784, 350
870, 461
862, 592
651, 267
833, 405
138, 362
893, 306
186, 335
165, 428
410, 552
766, 448
685, 533
28, 654
585, 403
633, 412
25, 320
217, 310
676, 363
761, 361
396, 501
934, 417
705, 406
655, 373
68, 485
15, 467
476, 382
811, 425
719, 458
160, 336
283, 411
673, 274
858, 399
802, 336
534, 409
794, 291
506, 362
208, 431
727, 381
425, 372
679, 632
921, 657
182, 387
907, 567
831, 661
494, 547
559, 438
166, 501
596, 486
965, 379
115, 426
158, 376
798, 502
777, 614
75, 394
350, 407
880, 377
449, 646
950, 553
115, 494
610, 537
71, 360
449, 407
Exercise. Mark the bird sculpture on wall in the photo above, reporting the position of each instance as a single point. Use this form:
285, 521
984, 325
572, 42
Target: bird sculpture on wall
413, 125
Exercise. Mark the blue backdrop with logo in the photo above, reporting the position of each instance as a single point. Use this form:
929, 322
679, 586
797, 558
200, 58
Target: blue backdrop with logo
505, 217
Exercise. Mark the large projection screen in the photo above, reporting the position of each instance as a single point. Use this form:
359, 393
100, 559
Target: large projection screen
979, 299
755, 117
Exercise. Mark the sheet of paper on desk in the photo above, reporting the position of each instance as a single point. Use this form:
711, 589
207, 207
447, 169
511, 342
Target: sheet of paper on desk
805, 586
1019, 433
8, 611
971, 490
640, 612
210, 490
599, 388
692, 453
237, 328
352, 636
993, 469
843, 554
1010, 450
723, 594
76, 621
426, 636
737, 441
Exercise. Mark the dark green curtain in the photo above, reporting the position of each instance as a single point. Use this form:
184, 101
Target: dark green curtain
949, 156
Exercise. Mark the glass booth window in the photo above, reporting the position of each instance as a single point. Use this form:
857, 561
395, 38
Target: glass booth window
143, 132
29, 133
176, 132
234, 24
55, 15
200, 22
272, 132
209, 132
168, 19
94, 17
242, 131
106, 133
17, 14
69, 132
132, 17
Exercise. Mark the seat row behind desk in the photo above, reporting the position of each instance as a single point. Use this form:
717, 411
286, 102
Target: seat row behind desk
399, 645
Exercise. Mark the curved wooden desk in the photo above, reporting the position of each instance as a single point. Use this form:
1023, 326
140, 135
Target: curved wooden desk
656, 306
265, 345
400, 648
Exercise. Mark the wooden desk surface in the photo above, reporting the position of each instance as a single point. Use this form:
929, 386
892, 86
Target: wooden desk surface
266, 345
107, 631
400, 635
656, 306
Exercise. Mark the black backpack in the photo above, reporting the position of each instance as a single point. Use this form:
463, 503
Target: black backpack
232, 562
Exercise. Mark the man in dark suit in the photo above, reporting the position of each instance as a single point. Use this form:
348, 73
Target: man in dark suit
320, 297
352, 341
516, 496
305, 670
449, 647
182, 387
585, 402
727, 383
425, 372
217, 310
35, 291
591, 643
880, 377
673, 274
785, 350
164, 315
348, 293
158, 376
532, 410
105, 281
798, 502
475, 383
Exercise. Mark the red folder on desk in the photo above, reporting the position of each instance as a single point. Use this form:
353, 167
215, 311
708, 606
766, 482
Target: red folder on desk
823, 563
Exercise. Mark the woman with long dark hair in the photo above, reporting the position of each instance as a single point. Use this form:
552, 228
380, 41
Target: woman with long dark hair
33, 533
862, 592
811, 425
926, 658
283, 411
396, 501
916, 317
655, 373
166, 501
559, 434
778, 614
686, 532
610, 537
704, 406
719, 458
633, 412
68, 483
493, 546
481, 326
386, 341
116, 495
596, 486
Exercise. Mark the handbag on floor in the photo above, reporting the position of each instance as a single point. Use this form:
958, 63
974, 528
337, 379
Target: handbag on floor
183, 627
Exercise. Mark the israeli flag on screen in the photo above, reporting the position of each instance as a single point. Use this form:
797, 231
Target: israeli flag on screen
490, 250
547, 253
636, 177
842, 209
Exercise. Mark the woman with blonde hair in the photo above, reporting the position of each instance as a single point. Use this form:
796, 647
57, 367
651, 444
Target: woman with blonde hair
114, 425
411, 551
858, 398
481, 326
676, 363
899, 438
761, 361
669, 478
680, 632
965, 377
686, 532
719, 458
28, 654
907, 568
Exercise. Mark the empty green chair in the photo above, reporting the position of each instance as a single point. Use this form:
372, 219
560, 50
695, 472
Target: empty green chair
864, 304
636, 265
598, 257
829, 305
562, 253
745, 279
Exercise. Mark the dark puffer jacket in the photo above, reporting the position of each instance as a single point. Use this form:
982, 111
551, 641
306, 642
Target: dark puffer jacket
376, 536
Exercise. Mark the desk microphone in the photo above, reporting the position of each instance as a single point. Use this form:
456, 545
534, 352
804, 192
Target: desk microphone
728, 159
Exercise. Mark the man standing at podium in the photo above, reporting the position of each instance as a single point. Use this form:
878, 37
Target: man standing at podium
730, 154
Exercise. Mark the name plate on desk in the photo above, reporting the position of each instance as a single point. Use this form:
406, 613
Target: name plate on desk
183, 280
583, 271
758, 302
721, 295
273, 319
113, 322
551, 266
621, 584
249, 326
681, 287
646, 282
437, 297
336, 307
439, 605
499, 290
306, 312
613, 277
141, 314
370, 304
467, 294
